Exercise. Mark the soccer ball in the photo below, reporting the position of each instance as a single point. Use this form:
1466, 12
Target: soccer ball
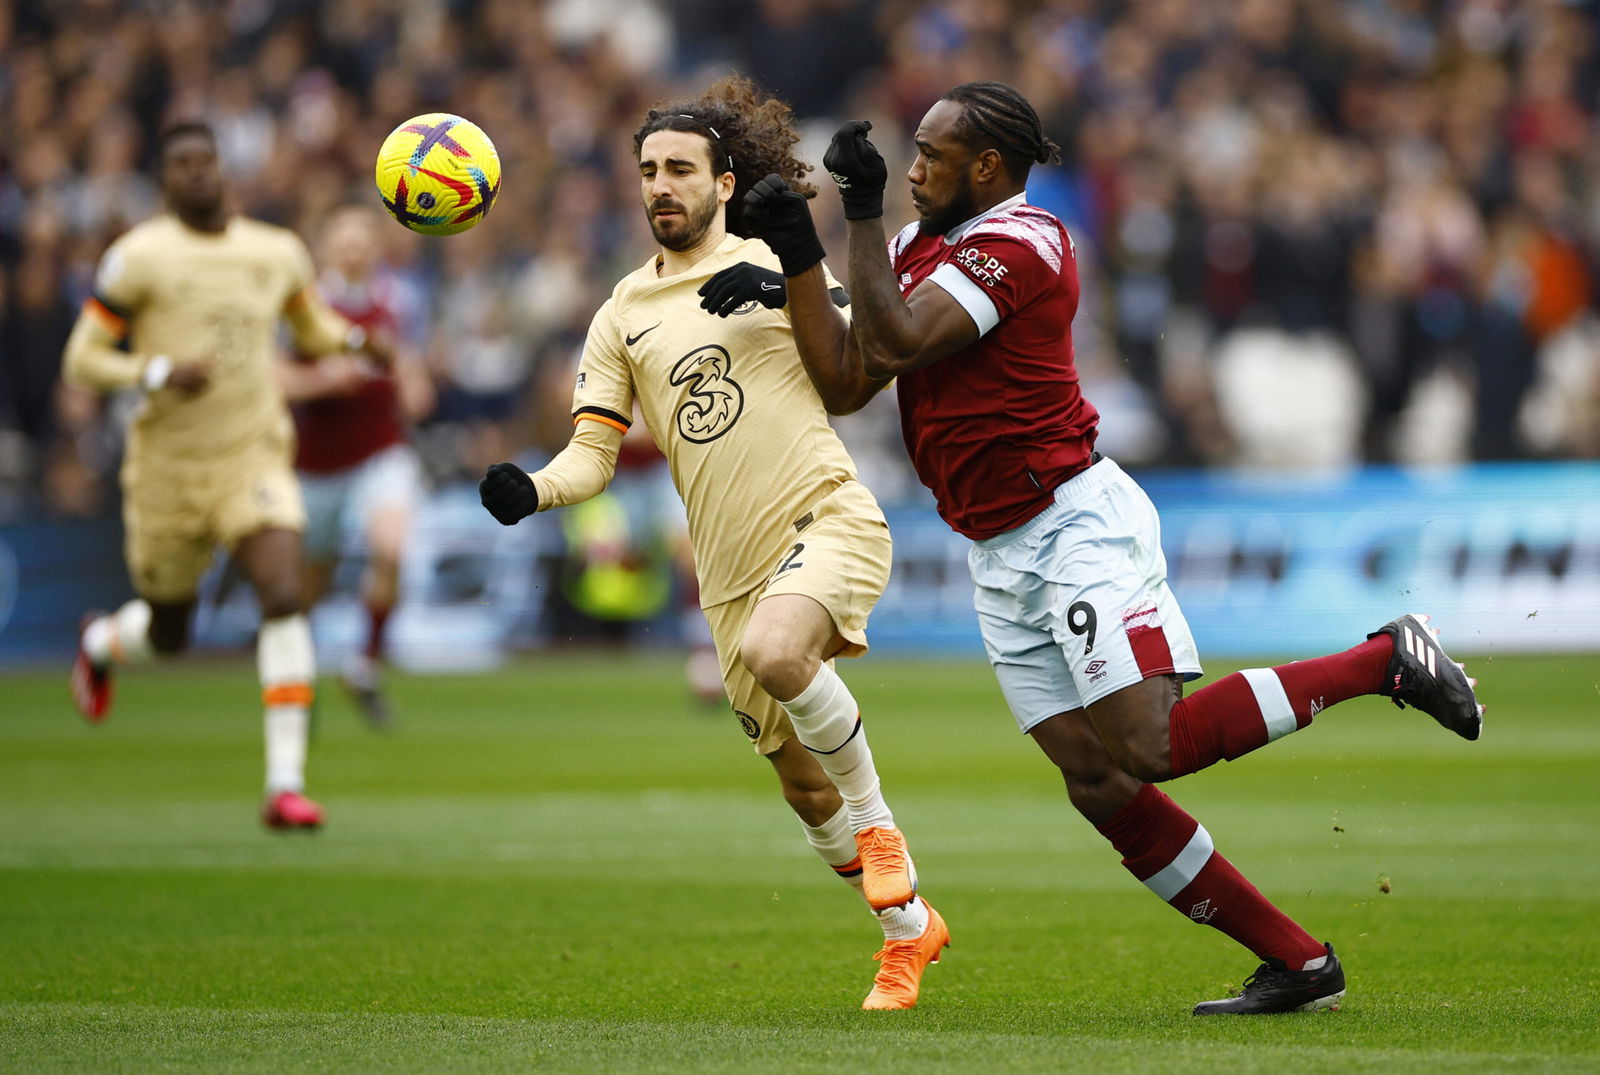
438, 174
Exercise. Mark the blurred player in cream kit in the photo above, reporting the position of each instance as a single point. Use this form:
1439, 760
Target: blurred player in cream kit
791, 551
354, 461
186, 309
970, 308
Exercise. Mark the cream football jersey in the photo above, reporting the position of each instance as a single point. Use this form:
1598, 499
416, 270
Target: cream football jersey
730, 405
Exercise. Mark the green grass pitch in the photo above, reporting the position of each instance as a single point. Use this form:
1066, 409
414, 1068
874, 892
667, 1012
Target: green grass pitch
570, 866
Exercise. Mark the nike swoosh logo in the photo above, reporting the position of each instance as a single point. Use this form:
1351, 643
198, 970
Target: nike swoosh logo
771, 287
631, 340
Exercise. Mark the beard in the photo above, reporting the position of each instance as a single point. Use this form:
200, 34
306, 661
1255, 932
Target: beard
682, 232
939, 220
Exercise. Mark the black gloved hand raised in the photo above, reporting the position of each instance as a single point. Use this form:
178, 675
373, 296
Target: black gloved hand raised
738, 284
858, 168
780, 217
508, 493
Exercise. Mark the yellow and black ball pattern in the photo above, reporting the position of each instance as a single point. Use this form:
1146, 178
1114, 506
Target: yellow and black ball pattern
438, 174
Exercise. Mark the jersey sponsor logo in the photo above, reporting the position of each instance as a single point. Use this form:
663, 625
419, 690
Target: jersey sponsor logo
635, 338
987, 269
715, 399
748, 723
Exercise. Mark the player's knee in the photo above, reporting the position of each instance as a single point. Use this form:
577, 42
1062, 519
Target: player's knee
780, 669
1147, 762
279, 601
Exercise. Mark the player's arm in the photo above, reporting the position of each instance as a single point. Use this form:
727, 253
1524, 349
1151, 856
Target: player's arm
899, 333
97, 356
822, 334
318, 329
579, 471
895, 333
602, 412
336, 375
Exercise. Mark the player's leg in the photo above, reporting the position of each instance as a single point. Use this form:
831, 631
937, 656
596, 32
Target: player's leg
167, 551
913, 932
1170, 853
261, 517
1132, 626
1069, 619
1156, 738
286, 664
815, 607
384, 493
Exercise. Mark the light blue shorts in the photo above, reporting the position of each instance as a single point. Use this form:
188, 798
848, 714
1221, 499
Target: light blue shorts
340, 501
1074, 603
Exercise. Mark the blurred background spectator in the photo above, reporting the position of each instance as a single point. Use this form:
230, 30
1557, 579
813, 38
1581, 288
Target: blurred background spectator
1310, 232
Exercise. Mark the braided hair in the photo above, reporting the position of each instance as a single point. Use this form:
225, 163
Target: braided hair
746, 133
995, 116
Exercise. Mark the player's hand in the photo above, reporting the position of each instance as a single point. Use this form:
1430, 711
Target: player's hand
508, 493
343, 375
858, 168
781, 218
379, 346
738, 284
190, 377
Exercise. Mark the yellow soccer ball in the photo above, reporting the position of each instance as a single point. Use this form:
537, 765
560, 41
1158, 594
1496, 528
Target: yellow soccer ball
438, 174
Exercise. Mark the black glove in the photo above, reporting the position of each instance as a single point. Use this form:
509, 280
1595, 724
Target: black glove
738, 284
780, 217
858, 168
508, 493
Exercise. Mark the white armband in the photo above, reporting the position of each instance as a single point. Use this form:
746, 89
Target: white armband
156, 372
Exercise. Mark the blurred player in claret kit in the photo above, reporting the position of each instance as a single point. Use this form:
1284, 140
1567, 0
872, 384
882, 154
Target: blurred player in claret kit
186, 308
971, 309
791, 550
355, 464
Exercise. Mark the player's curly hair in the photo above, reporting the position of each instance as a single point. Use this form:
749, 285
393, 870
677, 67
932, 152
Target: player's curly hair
747, 132
995, 116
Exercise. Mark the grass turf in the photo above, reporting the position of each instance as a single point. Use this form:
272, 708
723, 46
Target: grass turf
569, 866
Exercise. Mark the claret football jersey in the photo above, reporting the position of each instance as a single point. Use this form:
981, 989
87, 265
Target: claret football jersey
995, 427
728, 403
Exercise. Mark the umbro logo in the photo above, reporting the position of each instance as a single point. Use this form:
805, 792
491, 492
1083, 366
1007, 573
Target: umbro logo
1095, 666
631, 340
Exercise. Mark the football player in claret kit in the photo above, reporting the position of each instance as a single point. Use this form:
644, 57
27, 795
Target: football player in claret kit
791, 550
356, 466
186, 308
970, 308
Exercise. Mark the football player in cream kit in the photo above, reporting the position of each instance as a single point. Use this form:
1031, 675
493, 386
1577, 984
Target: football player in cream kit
186, 307
791, 550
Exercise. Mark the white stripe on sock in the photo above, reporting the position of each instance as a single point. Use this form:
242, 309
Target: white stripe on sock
1177, 874
1276, 712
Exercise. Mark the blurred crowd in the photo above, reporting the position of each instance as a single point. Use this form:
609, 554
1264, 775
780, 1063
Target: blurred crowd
1310, 232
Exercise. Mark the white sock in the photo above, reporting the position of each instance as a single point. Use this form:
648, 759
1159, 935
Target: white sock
904, 923
834, 841
827, 722
287, 667
121, 637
